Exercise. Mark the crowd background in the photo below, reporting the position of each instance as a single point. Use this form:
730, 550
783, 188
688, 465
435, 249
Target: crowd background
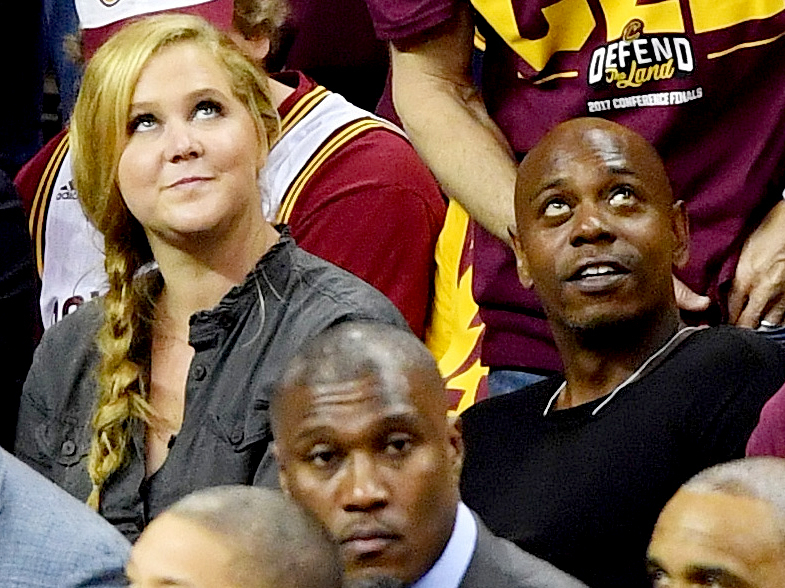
335, 44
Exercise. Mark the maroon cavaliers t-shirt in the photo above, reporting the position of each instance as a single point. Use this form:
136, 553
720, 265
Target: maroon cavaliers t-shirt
703, 80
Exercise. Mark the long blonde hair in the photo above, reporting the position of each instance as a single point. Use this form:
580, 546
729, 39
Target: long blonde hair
99, 133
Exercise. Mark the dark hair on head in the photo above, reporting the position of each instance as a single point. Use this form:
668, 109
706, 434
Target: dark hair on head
256, 19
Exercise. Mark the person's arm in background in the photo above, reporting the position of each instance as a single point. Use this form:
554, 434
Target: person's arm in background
446, 119
444, 115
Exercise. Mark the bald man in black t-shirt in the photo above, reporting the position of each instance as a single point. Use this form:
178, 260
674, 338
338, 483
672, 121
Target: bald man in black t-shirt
576, 469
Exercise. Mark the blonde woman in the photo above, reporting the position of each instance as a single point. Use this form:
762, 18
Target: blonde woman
162, 386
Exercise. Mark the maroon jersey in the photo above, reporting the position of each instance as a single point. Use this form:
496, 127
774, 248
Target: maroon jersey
703, 80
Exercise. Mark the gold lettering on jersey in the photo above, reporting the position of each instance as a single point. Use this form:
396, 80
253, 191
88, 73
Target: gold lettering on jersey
707, 17
639, 58
638, 76
570, 24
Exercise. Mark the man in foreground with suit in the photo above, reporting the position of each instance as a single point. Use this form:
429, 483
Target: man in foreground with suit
48, 539
365, 444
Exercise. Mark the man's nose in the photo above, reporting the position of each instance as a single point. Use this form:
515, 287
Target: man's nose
590, 224
181, 142
364, 487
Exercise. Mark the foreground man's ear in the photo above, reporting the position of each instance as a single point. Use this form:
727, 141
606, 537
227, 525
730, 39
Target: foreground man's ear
283, 482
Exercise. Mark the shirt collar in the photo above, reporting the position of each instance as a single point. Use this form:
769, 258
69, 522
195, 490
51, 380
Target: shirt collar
449, 569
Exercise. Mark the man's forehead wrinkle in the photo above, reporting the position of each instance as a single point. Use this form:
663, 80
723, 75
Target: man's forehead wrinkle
386, 389
374, 414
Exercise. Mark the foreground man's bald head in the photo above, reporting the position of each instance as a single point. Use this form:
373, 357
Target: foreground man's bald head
234, 537
725, 528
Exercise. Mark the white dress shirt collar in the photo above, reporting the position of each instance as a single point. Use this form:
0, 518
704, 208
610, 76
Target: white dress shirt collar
449, 569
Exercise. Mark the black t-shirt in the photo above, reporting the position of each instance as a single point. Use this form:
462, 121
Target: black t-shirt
584, 491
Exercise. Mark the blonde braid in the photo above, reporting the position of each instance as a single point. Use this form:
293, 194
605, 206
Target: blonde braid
121, 395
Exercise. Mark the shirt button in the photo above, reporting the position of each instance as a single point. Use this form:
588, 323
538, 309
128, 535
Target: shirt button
68, 448
237, 436
200, 372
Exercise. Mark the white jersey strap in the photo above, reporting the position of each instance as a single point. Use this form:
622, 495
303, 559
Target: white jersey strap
314, 128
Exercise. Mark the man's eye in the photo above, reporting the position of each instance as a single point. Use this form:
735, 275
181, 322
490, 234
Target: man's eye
712, 581
207, 109
142, 122
321, 456
659, 579
623, 196
398, 444
555, 207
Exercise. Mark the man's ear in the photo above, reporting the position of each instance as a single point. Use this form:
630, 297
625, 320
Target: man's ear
255, 49
680, 224
283, 480
455, 434
521, 263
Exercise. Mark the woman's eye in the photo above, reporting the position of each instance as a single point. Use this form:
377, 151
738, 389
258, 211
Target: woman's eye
142, 122
555, 207
207, 109
623, 197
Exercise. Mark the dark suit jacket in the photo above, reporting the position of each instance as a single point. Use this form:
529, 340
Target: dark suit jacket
498, 563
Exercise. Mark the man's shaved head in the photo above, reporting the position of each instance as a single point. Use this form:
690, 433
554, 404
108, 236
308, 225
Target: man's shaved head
353, 351
761, 478
725, 527
596, 132
231, 536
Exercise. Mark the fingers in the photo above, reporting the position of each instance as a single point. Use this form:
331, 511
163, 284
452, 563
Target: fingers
753, 311
737, 299
687, 299
774, 316
765, 302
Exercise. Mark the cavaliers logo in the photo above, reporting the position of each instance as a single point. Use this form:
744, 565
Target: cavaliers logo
633, 30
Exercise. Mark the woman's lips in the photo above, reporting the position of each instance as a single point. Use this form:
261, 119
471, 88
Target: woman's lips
188, 181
